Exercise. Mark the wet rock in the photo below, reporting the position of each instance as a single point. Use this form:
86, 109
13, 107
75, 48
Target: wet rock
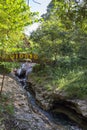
75, 109
20, 73
24, 70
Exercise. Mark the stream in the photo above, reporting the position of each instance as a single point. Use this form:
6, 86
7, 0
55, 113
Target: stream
57, 118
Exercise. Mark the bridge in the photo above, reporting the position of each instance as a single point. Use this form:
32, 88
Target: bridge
18, 57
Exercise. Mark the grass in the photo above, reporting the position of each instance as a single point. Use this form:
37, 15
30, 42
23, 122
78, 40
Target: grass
6, 105
6, 67
6, 110
75, 84
73, 81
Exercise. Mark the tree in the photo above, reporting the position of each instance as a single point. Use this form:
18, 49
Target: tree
14, 16
63, 33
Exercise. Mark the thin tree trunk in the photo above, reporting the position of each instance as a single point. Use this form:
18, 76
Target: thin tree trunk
2, 84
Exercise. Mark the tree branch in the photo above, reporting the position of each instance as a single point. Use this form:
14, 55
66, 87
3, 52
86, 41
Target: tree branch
36, 2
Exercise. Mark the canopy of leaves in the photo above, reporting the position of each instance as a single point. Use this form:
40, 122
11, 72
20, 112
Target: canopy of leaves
62, 38
14, 16
64, 31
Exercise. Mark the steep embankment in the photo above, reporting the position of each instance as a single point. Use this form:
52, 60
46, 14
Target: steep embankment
23, 117
58, 101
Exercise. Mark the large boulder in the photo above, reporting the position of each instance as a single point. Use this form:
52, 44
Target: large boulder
20, 73
24, 70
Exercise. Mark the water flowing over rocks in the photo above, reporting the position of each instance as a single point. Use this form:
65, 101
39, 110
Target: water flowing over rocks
24, 117
54, 101
58, 102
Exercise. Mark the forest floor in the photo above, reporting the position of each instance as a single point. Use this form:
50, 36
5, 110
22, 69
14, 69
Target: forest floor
16, 112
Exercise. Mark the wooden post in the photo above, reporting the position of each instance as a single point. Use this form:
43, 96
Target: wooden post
2, 84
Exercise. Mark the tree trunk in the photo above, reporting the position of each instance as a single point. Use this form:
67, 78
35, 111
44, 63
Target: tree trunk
2, 84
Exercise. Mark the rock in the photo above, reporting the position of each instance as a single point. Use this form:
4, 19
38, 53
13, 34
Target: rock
75, 109
20, 73
59, 95
78, 105
24, 118
81, 106
24, 70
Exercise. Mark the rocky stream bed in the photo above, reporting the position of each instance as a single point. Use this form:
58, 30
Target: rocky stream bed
38, 109
73, 111
24, 117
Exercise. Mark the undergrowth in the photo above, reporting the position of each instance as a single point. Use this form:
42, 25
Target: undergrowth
6, 105
63, 77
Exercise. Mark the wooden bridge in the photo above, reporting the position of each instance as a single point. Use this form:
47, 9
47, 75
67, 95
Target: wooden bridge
18, 57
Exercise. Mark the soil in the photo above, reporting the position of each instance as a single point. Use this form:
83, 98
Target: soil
24, 117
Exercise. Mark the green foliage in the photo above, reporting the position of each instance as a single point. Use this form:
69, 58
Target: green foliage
71, 13
6, 67
62, 39
74, 84
62, 34
70, 80
14, 16
6, 105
